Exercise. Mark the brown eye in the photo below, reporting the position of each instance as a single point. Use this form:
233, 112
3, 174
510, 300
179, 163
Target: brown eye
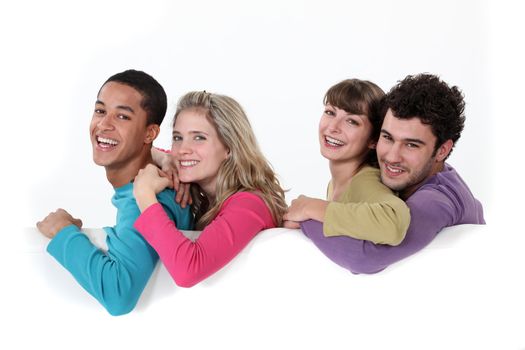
352, 122
386, 137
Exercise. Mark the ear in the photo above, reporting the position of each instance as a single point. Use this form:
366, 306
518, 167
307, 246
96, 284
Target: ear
152, 131
372, 144
444, 150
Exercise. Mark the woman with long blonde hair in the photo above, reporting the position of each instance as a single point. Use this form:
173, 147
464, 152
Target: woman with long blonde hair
235, 193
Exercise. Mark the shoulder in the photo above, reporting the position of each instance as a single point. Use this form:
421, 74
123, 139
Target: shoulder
446, 191
182, 216
368, 172
247, 203
242, 199
166, 197
124, 201
438, 196
367, 185
367, 176
445, 186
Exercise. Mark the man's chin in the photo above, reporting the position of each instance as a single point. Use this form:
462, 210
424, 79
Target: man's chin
101, 162
396, 186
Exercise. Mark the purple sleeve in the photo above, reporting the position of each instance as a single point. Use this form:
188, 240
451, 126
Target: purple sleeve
430, 212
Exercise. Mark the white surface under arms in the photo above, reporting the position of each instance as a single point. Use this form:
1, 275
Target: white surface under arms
281, 292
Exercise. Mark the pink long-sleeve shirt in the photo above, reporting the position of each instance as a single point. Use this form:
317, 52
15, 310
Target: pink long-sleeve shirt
240, 218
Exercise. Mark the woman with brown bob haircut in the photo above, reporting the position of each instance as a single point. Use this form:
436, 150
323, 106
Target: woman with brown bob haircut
358, 205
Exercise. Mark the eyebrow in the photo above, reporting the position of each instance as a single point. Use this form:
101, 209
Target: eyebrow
191, 132
410, 140
362, 117
126, 108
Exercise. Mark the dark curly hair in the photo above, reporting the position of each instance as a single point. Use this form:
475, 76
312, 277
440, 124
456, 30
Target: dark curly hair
360, 97
427, 97
154, 100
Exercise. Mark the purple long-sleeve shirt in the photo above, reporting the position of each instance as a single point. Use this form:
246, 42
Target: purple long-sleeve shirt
443, 200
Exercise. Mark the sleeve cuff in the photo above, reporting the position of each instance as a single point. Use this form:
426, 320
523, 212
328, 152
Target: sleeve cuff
60, 237
328, 218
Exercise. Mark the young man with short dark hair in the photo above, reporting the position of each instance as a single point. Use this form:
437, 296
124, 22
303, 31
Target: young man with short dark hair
128, 112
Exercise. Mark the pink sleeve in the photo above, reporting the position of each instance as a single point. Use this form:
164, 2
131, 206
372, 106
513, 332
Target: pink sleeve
240, 218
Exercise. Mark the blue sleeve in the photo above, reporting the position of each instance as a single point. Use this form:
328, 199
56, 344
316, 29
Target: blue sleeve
181, 216
430, 212
116, 278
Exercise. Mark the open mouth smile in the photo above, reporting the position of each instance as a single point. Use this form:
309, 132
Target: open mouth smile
393, 170
188, 163
333, 143
106, 143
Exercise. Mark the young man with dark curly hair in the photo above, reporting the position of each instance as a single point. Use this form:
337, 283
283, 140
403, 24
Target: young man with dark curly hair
423, 119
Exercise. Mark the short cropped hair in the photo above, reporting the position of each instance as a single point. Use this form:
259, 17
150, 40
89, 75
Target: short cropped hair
154, 100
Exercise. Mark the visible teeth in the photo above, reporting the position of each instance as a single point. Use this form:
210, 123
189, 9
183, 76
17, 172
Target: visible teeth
393, 170
334, 142
188, 162
105, 140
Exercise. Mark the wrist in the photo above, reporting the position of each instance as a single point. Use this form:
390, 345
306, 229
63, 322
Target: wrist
317, 210
58, 227
145, 200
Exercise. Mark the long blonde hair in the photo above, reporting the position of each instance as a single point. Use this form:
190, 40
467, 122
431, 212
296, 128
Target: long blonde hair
245, 169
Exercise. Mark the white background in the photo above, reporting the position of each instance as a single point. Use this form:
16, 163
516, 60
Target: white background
277, 58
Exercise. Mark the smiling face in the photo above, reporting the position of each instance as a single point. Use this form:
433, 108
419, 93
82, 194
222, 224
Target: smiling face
406, 155
197, 149
119, 135
344, 137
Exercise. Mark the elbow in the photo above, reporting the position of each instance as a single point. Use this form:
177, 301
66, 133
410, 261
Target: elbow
120, 308
395, 233
361, 263
121, 304
185, 283
186, 280
366, 269
394, 238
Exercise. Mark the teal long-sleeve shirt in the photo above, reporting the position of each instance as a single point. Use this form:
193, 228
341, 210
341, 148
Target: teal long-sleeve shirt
116, 278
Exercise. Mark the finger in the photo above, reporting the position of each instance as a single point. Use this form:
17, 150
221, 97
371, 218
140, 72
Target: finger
166, 182
186, 197
77, 222
295, 224
178, 197
291, 224
163, 173
176, 181
169, 175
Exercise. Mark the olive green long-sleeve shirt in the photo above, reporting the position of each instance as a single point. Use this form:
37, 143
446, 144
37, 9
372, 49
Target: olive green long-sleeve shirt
367, 210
